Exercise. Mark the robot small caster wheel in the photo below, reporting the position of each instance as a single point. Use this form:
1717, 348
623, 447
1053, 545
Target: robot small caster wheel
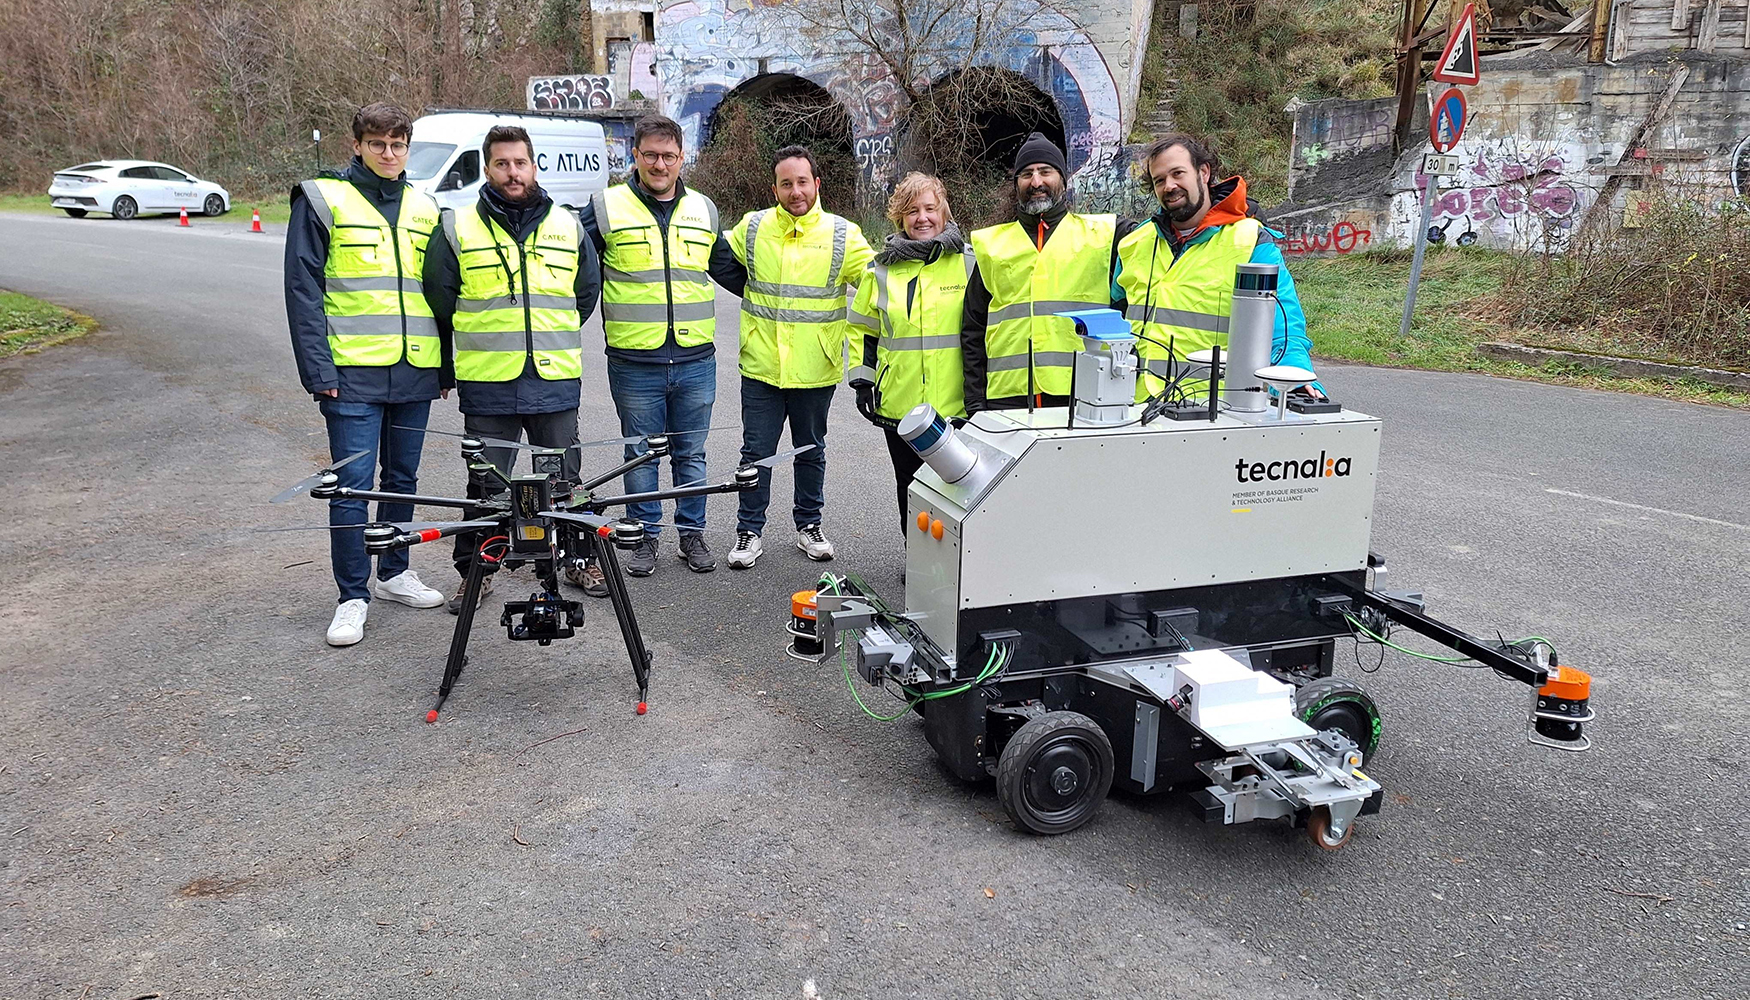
1318, 830
1054, 773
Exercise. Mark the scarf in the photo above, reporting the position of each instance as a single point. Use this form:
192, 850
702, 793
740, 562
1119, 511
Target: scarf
902, 247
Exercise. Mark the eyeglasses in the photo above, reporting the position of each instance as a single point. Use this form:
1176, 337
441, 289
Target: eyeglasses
380, 147
666, 159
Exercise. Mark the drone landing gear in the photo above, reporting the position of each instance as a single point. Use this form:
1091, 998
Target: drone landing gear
458, 657
617, 595
622, 602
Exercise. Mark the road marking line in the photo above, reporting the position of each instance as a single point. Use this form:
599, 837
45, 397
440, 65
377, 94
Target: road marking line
1651, 510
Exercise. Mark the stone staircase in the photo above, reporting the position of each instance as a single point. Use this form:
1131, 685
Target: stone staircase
1170, 18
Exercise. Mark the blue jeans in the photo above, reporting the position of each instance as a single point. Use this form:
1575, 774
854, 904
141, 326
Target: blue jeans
666, 399
355, 427
764, 408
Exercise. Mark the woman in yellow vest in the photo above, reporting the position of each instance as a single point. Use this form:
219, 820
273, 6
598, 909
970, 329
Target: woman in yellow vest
908, 311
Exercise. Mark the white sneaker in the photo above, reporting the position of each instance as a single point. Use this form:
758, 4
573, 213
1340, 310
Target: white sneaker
406, 588
746, 552
813, 543
348, 626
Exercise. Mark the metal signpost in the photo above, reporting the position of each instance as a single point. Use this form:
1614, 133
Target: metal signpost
1446, 121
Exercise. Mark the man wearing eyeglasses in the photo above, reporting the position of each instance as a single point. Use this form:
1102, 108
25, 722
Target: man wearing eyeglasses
661, 248
367, 347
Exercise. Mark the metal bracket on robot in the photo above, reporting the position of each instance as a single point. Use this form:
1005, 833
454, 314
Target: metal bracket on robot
1327, 775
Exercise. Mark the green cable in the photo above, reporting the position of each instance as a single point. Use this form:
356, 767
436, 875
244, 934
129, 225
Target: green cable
845, 668
1382, 640
1438, 659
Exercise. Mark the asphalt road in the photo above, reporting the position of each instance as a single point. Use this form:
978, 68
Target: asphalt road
200, 798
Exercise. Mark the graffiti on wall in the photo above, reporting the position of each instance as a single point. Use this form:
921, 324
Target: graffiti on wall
576, 92
1343, 237
1514, 192
1507, 187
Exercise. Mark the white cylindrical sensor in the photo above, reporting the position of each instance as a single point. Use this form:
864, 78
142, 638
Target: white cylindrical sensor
932, 437
1251, 336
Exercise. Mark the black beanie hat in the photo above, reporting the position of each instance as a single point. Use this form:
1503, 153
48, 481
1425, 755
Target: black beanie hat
1038, 149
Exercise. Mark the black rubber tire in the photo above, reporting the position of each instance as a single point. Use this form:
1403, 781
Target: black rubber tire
124, 208
77, 213
1340, 703
213, 206
1046, 754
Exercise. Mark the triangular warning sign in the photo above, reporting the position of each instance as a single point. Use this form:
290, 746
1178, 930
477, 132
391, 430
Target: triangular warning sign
1458, 62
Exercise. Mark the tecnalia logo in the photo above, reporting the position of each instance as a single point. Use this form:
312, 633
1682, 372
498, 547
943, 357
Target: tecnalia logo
1311, 468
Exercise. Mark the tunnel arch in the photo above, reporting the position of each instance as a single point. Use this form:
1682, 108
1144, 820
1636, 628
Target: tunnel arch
966, 129
757, 117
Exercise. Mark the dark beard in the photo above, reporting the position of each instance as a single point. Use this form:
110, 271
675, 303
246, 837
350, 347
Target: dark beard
1190, 208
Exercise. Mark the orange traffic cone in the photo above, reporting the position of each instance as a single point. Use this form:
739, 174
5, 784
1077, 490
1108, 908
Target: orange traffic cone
255, 220
184, 220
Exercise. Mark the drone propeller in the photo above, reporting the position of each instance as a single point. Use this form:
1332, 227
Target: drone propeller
400, 525
304, 485
490, 442
779, 458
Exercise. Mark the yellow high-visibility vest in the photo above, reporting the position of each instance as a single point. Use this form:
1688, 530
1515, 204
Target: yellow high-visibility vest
643, 273
372, 294
1184, 302
517, 300
793, 328
1028, 286
913, 309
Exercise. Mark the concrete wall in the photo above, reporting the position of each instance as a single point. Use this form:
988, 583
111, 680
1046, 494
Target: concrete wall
1087, 61
1541, 145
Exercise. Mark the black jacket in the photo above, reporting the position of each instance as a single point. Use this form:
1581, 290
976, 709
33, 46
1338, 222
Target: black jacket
306, 259
724, 269
528, 392
975, 307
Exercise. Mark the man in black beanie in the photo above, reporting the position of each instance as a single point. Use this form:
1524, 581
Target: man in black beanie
1049, 260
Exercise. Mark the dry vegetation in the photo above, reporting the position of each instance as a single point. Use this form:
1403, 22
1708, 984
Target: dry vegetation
1671, 288
1252, 57
232, 88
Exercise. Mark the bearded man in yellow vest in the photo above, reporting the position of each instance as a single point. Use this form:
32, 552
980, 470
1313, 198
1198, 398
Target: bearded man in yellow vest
1175, 273
515, 278
800, 262
367, 347
1049, 260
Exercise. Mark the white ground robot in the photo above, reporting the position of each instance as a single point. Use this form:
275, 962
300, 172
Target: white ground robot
1149, 595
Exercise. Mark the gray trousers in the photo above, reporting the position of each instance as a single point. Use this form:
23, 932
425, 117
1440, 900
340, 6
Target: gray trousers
548, 430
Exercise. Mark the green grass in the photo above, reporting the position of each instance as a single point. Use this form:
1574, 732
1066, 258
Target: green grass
274, 208
28, 325
1354, 305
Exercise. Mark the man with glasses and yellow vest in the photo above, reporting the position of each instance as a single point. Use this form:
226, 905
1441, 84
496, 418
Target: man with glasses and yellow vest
1049, 260
515, 277
1175, 275
367, 347
800, 262
661, 249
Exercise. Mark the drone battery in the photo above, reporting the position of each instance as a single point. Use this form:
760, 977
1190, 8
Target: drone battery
529, 496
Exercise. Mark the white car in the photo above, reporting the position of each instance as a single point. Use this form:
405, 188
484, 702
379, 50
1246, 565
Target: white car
128, 188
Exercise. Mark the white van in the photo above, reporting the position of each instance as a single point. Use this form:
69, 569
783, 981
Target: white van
571, 155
